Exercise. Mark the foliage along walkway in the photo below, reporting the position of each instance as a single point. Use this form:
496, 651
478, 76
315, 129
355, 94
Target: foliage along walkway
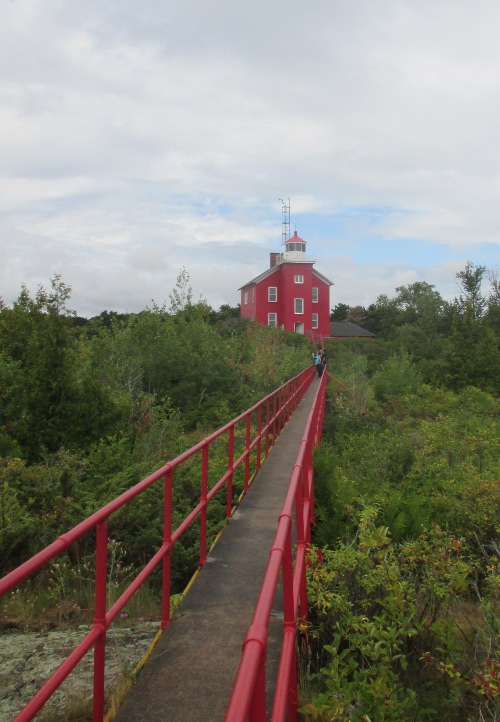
190, 674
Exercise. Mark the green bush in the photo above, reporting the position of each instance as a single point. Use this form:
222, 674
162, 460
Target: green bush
391, 624
396, 376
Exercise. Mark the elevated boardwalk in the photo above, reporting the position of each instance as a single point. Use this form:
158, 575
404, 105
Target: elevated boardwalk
190, 675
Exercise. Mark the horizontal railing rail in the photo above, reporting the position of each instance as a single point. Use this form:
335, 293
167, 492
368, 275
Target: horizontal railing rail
256, 430
344, 388
288, 561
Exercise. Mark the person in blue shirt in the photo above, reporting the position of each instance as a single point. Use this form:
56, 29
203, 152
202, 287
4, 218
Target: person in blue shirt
316, 357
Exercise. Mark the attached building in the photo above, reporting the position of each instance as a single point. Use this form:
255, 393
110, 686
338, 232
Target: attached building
347, 329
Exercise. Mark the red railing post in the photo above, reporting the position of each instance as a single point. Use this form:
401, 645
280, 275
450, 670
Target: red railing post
101, 572
289, 397
203, 513
293, 696
284, 400
267, 424
247, 452
309, 489
273, 419
285, 697
230, 468
167, 541
258, 704
259, 435
302, 527
281, 412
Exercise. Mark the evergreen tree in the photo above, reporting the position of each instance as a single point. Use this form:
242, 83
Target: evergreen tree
340, 312
471, 353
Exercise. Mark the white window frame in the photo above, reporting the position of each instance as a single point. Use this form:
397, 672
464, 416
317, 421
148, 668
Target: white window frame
298, 303
272, 320
270, 293
245, 298
298, 279
315, 320
315, 294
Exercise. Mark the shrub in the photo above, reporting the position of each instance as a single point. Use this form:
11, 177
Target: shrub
396, 376
391, 625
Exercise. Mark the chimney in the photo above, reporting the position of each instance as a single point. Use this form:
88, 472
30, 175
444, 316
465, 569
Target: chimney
274, 259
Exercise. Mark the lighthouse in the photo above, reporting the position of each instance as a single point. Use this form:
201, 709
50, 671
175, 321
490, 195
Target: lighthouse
291, 294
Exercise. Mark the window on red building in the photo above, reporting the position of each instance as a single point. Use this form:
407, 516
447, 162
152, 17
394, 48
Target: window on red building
299, 305
298, 279
315, 320
272, 294
296, 247
272, 319
315, 294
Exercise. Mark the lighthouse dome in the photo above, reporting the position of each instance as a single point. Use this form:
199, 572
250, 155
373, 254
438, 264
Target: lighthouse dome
295, 248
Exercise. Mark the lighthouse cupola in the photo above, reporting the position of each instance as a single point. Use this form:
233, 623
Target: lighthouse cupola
295, 249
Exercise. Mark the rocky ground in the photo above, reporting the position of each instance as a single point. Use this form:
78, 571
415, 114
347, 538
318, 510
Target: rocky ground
28, 659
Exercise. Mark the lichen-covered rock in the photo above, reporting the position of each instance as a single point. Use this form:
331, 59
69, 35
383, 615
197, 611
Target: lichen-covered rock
28, 659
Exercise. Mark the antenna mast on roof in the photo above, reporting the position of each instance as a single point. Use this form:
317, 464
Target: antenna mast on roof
285, 221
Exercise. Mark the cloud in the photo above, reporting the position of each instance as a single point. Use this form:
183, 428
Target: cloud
140, 138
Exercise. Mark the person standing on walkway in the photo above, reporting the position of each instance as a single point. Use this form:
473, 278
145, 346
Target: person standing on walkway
316, 356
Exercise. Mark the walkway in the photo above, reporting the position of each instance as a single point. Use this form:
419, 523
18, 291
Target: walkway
190, 675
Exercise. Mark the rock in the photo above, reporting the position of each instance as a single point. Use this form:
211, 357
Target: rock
27, 659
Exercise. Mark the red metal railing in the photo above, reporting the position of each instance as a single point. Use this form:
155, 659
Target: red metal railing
248, 697
344, 388
258, 428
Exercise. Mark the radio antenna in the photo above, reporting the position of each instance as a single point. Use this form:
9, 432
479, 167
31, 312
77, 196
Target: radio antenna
285, 221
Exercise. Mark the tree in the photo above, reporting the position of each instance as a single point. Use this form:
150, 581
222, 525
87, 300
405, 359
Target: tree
382, 316
57, 402
340, 312
182, 295
470, 281
357, 315
396, 376
421, 305
471, 354
10, 375
493, 305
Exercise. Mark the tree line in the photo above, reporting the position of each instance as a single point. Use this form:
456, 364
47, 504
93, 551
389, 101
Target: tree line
455, 344
90, 407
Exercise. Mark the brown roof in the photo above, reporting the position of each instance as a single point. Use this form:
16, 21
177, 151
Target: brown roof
347, 329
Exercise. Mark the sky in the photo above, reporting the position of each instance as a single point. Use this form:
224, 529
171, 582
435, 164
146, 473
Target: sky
140, 139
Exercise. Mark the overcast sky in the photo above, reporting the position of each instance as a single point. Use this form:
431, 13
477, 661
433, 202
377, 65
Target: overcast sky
138, 138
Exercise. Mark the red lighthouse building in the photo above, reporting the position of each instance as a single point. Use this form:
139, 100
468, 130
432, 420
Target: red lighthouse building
291, 294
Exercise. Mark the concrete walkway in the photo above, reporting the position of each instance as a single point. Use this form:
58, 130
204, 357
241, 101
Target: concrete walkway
190, 675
